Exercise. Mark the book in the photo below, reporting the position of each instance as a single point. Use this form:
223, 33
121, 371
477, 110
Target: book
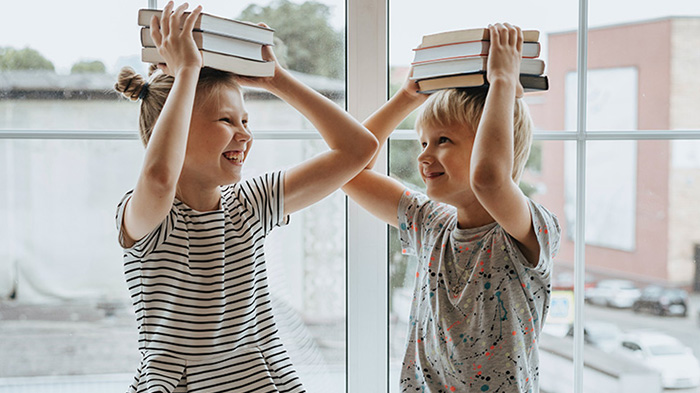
531, 50
215, 43
230, 63
464, 65
218, 25
530, 82
465, 35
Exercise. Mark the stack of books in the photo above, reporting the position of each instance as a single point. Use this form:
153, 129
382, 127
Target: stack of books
225, 44
458, 59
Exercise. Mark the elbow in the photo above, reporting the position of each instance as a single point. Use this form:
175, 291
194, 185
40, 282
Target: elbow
367, 149
486, 178
160, 179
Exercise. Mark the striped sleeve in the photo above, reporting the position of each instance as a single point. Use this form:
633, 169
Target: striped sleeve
148, 243
265, 197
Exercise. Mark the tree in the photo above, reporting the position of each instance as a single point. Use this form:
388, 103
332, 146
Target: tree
311, 44
88, 67
23, 59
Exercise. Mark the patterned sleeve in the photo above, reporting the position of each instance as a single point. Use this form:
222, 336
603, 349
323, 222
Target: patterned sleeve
265, 195
546, 226
414, 215
148, 243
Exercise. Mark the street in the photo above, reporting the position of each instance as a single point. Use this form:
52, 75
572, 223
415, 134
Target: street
684, 329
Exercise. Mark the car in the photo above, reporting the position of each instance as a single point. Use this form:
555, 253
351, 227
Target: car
678, 367
601, 334
613, 293
662, 301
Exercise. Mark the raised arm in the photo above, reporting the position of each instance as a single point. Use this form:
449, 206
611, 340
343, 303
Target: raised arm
351, 146
155, 189
376, 192
492, 154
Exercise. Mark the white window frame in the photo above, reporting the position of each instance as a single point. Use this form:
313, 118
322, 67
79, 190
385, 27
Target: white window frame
367, 237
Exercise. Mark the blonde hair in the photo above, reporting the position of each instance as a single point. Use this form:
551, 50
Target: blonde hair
154, 92
464, 107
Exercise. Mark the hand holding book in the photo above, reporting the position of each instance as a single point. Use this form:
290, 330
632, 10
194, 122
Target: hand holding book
176, 45
265, 82
505, 56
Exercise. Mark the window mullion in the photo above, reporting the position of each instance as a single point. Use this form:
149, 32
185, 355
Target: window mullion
580, 234
367, 271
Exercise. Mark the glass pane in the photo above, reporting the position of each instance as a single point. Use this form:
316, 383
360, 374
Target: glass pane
643, 63
642, 254
560, 16
48, 82
543, 182
66, 317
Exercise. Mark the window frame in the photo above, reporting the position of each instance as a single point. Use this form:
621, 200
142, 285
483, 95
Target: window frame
367, 72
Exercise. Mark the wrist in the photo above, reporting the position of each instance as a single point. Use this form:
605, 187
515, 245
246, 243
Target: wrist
409, 98
187, 71
276, 84
503, 81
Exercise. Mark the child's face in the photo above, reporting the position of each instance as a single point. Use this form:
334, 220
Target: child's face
444, 162
219, 139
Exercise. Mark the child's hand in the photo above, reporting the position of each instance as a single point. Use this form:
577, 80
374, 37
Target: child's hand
267, 83
505, 54
176, 45
410, 89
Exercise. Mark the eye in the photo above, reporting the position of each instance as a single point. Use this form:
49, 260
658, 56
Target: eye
443, 139
225, 119
245, 122
424, 144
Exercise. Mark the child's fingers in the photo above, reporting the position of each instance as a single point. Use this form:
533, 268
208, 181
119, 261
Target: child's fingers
268, 54
512, 34
165, 19
191, 20
502, 34
520, 39
155, 31
176, 19
493, 35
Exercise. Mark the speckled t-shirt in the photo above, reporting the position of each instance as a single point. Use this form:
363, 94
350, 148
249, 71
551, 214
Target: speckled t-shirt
478, 306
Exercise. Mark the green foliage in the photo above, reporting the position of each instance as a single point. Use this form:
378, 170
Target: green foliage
88, 67
311, 44
534, 160
23, 59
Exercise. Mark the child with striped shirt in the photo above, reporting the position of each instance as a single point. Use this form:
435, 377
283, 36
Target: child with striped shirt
193, 232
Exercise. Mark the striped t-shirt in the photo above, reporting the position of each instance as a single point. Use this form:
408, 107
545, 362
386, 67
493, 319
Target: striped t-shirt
199, 288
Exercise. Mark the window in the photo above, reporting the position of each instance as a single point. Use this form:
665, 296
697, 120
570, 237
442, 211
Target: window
616, 157
70, 150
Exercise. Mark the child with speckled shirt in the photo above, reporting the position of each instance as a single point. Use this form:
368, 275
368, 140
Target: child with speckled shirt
485, 250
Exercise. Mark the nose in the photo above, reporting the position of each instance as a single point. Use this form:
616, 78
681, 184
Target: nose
425, 157
243, 134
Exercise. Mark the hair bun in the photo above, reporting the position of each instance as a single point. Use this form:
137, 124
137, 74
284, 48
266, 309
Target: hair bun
129, 83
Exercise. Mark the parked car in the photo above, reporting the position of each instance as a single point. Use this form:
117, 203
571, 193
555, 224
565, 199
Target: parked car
613, 293
678, 367
662, 301
601, 334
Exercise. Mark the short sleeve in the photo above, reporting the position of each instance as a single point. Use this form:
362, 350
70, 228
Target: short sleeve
265, 195
148, 243
548, 232
416, 215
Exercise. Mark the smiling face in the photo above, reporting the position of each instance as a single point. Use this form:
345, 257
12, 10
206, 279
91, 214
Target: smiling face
218, 141
444, 163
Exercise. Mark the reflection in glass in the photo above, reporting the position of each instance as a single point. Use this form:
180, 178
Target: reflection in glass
645, 289
65, 308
